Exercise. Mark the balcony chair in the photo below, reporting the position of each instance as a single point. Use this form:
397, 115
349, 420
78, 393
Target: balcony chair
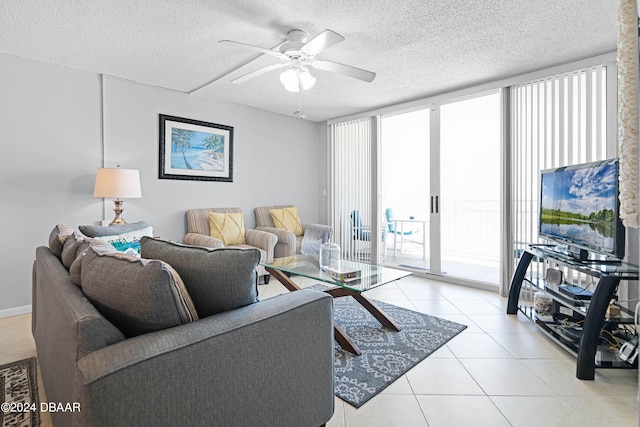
229, 231
391, 228
293, 236
360, 232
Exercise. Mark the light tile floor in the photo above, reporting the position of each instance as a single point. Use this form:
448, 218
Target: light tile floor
501, 371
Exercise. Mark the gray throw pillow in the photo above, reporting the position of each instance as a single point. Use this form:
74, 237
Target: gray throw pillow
57, 237
111, 230
76, 266
81, 250
137, 296
217, 280
69, 249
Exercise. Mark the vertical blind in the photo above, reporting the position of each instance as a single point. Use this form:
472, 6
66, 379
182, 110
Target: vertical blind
555, 121
352, 173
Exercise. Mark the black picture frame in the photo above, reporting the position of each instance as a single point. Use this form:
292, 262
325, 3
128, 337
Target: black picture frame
195, 150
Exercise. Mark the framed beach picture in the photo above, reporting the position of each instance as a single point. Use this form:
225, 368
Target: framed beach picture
195, 150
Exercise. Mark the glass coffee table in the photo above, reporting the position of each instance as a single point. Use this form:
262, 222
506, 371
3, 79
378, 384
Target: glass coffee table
371, 276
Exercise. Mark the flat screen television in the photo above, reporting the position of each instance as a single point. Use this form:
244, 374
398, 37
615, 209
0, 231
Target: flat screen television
579, 207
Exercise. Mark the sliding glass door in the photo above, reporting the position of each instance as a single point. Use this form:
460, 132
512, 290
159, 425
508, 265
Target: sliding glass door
441, 179
470, 188
405, 188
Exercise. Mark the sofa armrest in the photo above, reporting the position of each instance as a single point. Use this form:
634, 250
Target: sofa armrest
284, 236
286, 245
196, 239
326, 228
269, 363
319, 229
263, 240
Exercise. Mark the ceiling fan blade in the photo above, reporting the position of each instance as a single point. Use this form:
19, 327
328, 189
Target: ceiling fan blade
256, 48
258, 72
322, 41
347, 70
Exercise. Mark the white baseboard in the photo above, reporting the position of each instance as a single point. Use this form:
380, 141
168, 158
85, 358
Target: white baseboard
15, 311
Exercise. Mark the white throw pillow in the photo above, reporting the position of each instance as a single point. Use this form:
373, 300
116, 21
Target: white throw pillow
128, 243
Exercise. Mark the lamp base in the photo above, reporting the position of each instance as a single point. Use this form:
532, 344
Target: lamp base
118, 210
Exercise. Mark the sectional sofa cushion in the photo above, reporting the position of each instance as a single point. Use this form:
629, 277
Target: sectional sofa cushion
137, 296
111, 230
218, 280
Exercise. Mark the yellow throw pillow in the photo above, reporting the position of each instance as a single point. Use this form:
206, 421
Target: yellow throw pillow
287, 218
228, 227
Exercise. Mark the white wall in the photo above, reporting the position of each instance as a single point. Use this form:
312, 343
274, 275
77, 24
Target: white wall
50, 134
276, 158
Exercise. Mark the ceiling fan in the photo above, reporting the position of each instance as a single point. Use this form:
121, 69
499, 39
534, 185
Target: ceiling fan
297, 56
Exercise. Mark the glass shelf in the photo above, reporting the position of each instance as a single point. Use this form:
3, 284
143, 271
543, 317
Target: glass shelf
580, 326
593, 267
604, 357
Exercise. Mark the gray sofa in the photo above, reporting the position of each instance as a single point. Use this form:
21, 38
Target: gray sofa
268, 363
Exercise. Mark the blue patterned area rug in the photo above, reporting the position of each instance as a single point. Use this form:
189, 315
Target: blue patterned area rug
386, 355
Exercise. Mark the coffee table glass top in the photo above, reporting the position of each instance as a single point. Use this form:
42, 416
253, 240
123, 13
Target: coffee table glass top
371, 276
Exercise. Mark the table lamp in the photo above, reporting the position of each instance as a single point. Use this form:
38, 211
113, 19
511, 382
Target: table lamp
117, 183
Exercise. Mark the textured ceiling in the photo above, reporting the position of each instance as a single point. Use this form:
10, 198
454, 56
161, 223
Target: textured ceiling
416, 47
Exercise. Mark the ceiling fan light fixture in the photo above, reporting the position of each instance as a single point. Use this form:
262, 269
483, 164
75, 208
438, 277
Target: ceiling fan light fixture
306, 79
292, 88
297, 56
293, 78
290, 80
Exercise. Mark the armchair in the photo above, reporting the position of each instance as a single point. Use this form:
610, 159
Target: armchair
290, 243
199, 234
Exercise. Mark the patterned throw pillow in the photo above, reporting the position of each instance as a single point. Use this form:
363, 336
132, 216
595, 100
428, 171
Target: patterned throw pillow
287, 218
129, 243
136, 295
228, 227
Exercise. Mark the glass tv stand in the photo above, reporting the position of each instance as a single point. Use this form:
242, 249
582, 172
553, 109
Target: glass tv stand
589, 312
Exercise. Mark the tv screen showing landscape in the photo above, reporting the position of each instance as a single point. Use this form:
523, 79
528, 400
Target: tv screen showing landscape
579, 206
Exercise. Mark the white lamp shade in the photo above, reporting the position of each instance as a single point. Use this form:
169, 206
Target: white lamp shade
117, 183
290, 80
292, 88
289, 77
306, 79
